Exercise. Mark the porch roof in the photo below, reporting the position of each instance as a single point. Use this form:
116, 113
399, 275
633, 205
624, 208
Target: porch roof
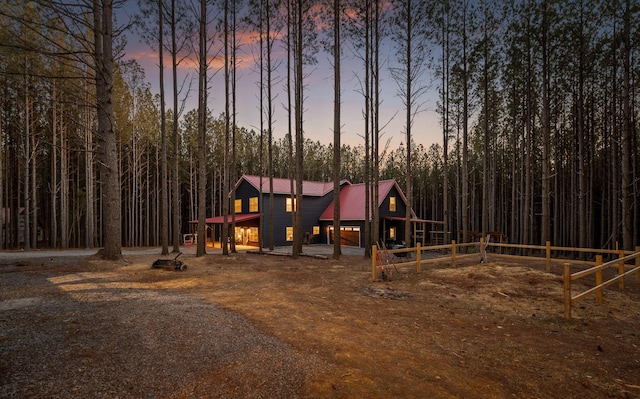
239, 218
414, 220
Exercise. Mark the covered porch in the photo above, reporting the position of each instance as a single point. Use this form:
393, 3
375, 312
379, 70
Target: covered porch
246, 231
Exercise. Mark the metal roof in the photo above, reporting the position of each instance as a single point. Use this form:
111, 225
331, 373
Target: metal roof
352, 200
241, 217
283, 186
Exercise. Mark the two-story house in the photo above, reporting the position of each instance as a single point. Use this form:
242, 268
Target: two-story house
392, 207
252, 207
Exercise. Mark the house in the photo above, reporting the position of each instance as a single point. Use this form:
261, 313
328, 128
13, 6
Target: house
253, 197
392, 206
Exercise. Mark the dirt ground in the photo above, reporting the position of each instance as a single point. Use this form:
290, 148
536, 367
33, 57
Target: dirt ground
264, 326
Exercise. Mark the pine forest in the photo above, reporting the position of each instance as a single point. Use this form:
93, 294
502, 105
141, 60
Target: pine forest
536, 104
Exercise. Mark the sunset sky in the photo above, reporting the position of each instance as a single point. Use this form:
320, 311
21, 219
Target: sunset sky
318, 115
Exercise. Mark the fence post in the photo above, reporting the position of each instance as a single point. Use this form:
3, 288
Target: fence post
548, 253
418, 268
453, 253
599, 279
567, 291
374, 259
621, 270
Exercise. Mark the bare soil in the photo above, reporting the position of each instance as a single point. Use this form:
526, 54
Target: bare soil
263, 326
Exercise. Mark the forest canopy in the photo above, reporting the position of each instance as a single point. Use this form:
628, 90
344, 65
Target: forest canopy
537, 103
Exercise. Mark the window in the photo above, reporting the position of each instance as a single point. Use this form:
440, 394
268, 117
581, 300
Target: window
238, 206
392, 204
289, 233
392, 233
253, 234
291, 204
253, 204
316, 230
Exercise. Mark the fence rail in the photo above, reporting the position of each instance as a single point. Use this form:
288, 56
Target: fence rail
620, 264
623, 258
548, 249
418, 250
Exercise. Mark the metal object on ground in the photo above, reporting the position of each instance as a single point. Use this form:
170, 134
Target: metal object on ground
174, 264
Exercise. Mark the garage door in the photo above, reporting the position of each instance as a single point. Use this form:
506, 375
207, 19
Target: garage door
349, 235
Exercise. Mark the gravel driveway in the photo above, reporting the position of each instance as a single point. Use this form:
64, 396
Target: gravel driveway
77, 335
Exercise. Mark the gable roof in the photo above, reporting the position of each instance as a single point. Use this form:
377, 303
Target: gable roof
352, 200
283, 186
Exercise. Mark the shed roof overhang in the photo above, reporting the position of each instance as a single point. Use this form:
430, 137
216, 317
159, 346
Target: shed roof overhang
413, 220
238, 218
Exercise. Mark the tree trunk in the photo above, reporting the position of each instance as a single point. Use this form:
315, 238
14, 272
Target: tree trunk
34, 187
3, 214
175, 198
224, 236
64, 184
368, 242
375, 113
336, 130
299, 103
202, 131
546, 131
90, 221
465, 133
445, 121
408, 122
164, 180
486, 156
26, 233
53, 185
270, 124
627, 134
262, 18
107, 138
234, 128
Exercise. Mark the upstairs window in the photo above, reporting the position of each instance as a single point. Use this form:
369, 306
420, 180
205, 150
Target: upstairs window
253, 204
238, 206
392, 204
291, 204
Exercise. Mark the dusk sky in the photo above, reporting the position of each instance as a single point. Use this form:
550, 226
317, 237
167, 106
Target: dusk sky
318, 115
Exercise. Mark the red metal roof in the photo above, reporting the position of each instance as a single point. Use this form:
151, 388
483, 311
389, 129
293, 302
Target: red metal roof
283, 186
352, 200
239, 218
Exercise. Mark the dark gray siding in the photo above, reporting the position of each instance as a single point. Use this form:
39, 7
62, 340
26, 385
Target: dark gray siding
281, 220
312, 208
401, 207
244, 192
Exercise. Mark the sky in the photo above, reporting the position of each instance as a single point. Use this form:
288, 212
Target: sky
319, 95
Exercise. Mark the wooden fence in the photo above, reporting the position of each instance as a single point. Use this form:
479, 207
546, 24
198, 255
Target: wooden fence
620, 263
548, 249
416, 255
